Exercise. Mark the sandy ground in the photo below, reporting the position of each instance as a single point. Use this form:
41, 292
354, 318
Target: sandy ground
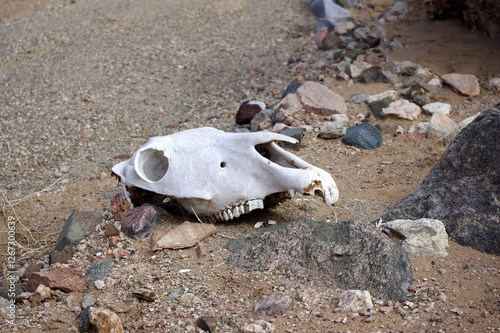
84, 83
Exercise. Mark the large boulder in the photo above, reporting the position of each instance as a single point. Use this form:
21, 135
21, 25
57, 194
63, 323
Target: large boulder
463, 189
348, 255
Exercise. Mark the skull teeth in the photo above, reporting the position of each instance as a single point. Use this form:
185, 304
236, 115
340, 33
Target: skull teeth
234, 212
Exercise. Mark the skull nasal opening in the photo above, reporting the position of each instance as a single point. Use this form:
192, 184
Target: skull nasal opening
152, 165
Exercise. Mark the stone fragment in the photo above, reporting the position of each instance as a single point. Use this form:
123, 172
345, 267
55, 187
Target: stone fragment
173, 295
355, 300
494, 83
273, 305
319, 99
437, 107
77, 226
111, 231
337, 253
358, 99
207, 324
441, 124
119, 206
259, 326
26, 272
139, 222
43, 291
261, 121
389, 93
406, 68
291, 88
363, 136
105, 320
145, 294
420, 127
185, 235
414, 79
377, 106
189, 299
402, 109
200, 251
248, 109
342, 28
423, 237
7, 309
61, 256
328, 43
83, 319
290, 104
435, 82
99, 284
385, 128
293, 132
100, 270
376, 74
466, 84
333, 130
65, 279
448, 138
87, 301
421, 100
462, 188
355, 71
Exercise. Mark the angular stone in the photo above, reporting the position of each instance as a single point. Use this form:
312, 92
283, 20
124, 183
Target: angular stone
259, 326
376, 74
145, 294
414, 79
185, 235
248, 109
421, 100
173, 295
87, 300
494, 83
357, 99
293, 132
189, 299
207, 324
329, 42
465, 84
389, 93
377, 106
100, 270
406, 68
319, 99
355, 300
342, 28
291, 88
200, 251
402, 109
441, 124
84, 324
61, 256
65, 279
105, 320
139, 222
349, 255
119, 206
77, 226
290, 103
462, 188
273, 305
363, 136
422, 237
448, 138
42, 291
355, 70
333, 130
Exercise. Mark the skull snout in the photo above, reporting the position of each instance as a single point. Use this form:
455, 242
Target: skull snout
151, 165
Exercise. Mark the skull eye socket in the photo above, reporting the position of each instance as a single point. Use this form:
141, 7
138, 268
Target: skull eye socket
152, 165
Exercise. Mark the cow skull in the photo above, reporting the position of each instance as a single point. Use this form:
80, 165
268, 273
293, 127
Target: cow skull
218, 176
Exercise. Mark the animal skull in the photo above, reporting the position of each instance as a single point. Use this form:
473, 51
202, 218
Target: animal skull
218, 176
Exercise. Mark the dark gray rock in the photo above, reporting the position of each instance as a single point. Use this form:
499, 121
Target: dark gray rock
414, 79
421, 100
349, 255
100, 270
83, 319
377, 106
293, 132
377, 74
329, 42
139, 222
76, 227
61, 256
462, 189
363, 136
291, 88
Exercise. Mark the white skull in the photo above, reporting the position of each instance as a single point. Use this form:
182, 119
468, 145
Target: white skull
218, 176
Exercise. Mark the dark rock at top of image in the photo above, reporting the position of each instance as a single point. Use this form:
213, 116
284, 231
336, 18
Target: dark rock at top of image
462, 189
76, 227
350, 255
363, 136
248, 109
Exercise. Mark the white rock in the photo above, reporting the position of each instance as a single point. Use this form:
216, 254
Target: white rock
378, 97
437, 107
402, 109
43, 291
189, 299
355, 300
423, 237
99, 284
259, 326
258, 225
435, 82
494, 83
339, 117
420, 127
441, 125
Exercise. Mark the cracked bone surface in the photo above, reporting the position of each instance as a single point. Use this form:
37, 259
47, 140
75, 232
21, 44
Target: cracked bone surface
219, 176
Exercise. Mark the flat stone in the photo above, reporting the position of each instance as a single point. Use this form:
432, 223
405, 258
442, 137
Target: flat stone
173, 295
187, 234
262, 121
319, 99
376, 74
340, 255
441, 124
61, 256
389, 93
402, 109
414, 79
377, 106
293, 132
437, 107
65, 279
357, 98
466, 84
77, 227
100, 270
461, 190
355, 300
139, 222
422, 237
363, 136
333, 130
145, 294
248, 109
105, 320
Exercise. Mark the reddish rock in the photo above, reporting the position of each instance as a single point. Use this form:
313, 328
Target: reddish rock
65, 279
119, 206
139, 222
317, 98
465, 84
248, 110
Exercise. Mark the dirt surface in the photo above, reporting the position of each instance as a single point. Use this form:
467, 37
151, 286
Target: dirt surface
84, 83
